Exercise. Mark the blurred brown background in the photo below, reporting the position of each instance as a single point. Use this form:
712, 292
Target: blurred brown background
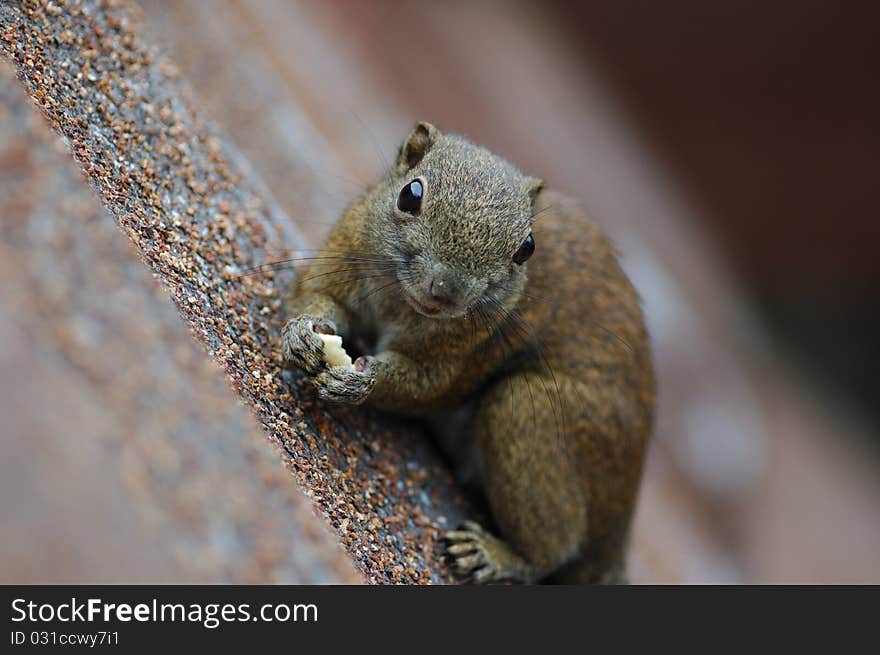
767, 112
727, 148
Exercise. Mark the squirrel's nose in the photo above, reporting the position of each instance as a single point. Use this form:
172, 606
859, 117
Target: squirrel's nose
440, 293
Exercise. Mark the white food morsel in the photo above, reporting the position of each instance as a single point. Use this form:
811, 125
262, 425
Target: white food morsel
334, 353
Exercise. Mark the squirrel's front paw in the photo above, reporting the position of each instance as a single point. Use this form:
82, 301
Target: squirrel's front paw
482, 557
346, 384
301, 345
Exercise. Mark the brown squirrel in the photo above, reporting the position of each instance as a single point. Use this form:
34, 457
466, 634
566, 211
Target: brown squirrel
537, 369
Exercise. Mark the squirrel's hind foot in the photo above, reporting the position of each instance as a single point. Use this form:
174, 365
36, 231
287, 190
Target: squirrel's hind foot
483, 558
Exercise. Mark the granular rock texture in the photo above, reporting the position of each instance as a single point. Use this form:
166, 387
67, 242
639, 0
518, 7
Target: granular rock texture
201, 223
125, 456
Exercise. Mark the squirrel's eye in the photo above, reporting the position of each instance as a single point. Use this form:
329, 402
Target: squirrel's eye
410, 198
525, 250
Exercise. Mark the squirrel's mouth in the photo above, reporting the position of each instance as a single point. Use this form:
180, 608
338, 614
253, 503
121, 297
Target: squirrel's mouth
430, 307
431, 311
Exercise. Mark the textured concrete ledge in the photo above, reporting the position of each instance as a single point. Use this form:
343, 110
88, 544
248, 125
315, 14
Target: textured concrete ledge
199, 221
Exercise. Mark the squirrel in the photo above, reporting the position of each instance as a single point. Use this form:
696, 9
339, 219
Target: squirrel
493, 308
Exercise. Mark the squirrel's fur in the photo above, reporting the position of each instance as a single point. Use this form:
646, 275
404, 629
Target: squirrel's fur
544, 366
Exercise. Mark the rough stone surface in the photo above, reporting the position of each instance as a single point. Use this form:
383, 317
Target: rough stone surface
125, 456
201, 223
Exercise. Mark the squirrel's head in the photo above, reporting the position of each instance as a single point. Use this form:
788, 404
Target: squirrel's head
459, 220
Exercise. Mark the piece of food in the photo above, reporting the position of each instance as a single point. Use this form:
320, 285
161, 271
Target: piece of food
334, 353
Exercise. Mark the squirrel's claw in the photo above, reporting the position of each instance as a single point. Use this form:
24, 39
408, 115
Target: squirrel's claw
464, 548
301, 345
471, 549
481, 557
484, 575
343, 384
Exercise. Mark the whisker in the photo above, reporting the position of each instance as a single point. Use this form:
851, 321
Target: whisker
509, 351
323, 260
364, 297
541, 211
605, 329
383, 161
527, 333
371, 268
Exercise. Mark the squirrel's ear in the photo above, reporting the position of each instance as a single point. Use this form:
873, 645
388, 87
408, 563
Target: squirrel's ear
535, 184
416, 146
